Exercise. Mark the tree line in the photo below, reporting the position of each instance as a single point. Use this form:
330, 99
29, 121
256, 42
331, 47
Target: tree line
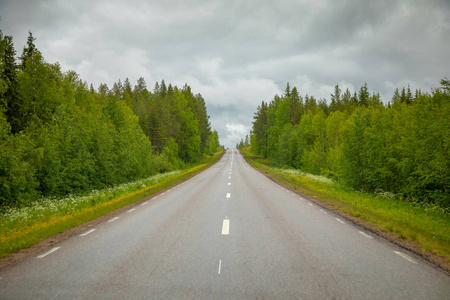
60, 136
402, 147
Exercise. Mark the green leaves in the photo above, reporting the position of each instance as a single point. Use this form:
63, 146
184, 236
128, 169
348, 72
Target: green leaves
403, 148
17, 170
59, 137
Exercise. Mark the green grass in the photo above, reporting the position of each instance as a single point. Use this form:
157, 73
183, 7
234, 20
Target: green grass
22, 227
427, 226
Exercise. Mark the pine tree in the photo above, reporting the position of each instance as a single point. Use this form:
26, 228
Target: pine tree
260, 130
287, 91
336, 102
396, 98
408, 98
127, 87
103, 89
140, 87
117, 90
28, 50
9, 99
363, 96
163, 88
296, 106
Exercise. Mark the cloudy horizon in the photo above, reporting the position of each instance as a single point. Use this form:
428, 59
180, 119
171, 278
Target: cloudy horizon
239, 53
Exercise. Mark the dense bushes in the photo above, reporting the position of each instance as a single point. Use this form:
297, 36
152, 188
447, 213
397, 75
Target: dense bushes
402, 147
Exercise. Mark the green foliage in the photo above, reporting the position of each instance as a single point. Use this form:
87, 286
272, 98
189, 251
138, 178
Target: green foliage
213, 143
260, 133
402, 148
17, 170
59, 137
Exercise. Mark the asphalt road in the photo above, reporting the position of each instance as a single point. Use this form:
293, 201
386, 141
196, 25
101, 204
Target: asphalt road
231, 233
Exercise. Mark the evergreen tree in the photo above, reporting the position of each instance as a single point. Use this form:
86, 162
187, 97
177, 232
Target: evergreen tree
9, 99
103, 89
336, 103
363, 96
127, 89
296, 106
259, 145
287, 91
28, 50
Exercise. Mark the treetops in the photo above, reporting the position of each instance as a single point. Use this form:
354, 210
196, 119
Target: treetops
400, 147
59, 136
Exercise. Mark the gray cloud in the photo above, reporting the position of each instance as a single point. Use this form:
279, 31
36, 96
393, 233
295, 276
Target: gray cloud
239, 53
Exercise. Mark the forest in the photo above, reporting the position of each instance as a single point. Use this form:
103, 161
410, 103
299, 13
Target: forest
401, 147
59, 136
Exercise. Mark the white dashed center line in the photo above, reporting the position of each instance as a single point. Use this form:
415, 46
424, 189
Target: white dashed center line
226, 227
228, 195
220, 266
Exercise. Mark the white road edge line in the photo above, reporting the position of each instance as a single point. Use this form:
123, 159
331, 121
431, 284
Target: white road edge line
339, 220
142, 204
366, 235
220, 266
87, 232
130, 210
113, 219
311, 204
323, 211
48, 252
405, 257
226, 227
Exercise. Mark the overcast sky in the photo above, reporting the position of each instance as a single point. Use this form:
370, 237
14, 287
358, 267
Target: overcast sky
238, 53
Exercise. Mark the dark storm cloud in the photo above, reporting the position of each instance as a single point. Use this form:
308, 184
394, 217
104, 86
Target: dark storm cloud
239, 53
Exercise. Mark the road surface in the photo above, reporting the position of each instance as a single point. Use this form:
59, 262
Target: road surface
228, 232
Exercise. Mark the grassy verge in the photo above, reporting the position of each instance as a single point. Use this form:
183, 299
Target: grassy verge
428, 227
21, 228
